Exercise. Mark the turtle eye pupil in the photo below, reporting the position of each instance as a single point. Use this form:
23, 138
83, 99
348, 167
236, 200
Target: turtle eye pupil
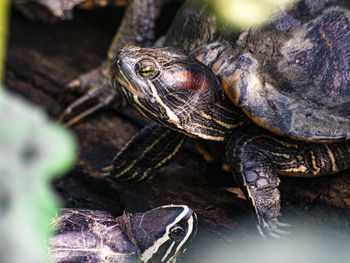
176, 232
146, 71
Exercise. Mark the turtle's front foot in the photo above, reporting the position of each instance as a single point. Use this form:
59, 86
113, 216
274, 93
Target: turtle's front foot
97, 93
255, 159
97, 77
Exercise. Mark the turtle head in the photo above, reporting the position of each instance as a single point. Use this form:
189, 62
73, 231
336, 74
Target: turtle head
171, 88
163, 233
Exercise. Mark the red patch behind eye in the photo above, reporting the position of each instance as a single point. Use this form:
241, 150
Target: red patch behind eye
187, 80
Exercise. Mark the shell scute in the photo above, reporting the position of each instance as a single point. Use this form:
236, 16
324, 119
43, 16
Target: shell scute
303, 90
317, 59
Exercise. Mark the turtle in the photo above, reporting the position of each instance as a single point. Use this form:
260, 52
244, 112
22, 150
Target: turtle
157, 235
275, 99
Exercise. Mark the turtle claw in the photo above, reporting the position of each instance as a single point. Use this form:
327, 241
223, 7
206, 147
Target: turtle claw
68, 89
95, 99
106, 171
273, 228
73, 85
95, 78
101, 174
97, 93
280, 224
80, 116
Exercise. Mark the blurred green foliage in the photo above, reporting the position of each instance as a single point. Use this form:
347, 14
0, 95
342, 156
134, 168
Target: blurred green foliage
4, 6
241, 13
32, 151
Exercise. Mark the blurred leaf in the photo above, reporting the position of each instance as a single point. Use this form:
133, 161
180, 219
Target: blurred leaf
4, 8
32, 151
241, 13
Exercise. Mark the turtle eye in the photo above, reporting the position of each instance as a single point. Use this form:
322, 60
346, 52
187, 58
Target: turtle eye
146, 68
146, 71
176, 232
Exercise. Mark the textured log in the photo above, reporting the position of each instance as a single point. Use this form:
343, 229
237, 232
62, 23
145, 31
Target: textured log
42, 58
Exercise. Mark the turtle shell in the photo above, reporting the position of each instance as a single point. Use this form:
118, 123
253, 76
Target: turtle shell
292, 76
85, 235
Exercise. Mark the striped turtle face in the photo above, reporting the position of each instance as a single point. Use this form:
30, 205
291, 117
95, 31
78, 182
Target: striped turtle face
169, 87
164, 232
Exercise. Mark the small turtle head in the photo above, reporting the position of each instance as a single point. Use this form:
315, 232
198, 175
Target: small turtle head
169, 87
163, 233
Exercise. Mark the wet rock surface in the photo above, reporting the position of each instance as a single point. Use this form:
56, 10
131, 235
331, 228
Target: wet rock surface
43, 58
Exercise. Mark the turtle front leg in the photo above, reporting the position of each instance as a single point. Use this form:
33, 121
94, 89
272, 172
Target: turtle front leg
137, 27
250, 160
258, 160
146, 152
